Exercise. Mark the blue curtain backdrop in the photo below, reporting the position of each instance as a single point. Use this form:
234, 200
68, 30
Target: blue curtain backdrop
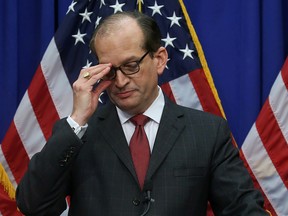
245, 44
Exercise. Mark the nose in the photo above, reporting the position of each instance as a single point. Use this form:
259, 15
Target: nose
121, 79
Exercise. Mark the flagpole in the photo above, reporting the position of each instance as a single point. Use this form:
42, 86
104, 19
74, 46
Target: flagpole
139, 6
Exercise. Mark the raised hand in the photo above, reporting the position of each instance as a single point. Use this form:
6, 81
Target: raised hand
85, 94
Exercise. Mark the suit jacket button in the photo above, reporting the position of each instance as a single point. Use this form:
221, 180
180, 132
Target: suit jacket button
136, 202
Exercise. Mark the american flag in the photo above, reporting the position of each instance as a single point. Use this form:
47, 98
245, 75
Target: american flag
186, 80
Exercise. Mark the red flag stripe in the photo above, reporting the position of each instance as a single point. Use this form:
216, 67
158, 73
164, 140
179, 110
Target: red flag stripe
17, 162
204, 92
45, 110
167, 89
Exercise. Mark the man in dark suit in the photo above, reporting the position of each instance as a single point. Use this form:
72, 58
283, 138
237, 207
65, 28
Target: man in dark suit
89, 158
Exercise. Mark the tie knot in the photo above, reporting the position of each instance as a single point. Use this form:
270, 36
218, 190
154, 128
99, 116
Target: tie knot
139, 120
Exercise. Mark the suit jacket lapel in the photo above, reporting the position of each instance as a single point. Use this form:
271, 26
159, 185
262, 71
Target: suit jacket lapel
114, 135
169, 129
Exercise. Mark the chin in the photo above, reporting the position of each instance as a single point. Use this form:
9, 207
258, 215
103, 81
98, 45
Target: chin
129, 108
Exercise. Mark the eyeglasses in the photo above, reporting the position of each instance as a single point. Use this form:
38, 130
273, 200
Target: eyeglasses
128, 68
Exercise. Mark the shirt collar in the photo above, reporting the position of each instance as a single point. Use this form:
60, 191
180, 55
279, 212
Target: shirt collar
154, 112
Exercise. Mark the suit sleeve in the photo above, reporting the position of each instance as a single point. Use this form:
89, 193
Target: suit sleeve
45, 185
232, 191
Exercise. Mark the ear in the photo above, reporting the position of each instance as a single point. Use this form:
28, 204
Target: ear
161, 57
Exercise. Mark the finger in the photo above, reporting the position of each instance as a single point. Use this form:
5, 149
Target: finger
87, 73
101, 87
96, 77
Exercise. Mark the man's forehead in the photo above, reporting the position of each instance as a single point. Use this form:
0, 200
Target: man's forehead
117, 26
123, 33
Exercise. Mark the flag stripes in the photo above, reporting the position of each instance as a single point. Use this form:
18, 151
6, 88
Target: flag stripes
17, 163
205, 93
45, 111
257, 185
57, 81
27, 125
33, 120
184, 92
266, 148
270, 133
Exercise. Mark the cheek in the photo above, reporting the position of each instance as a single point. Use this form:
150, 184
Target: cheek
109, 90
150, 82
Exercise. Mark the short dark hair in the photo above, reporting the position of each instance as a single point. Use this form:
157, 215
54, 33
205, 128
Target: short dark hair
150, 29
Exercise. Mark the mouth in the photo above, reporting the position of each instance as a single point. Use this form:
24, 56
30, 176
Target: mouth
124, 94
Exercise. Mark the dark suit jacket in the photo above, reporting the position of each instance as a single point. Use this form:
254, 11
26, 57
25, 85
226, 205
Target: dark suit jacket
193, 161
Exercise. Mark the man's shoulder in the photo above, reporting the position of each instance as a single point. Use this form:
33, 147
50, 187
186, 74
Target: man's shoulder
193, 113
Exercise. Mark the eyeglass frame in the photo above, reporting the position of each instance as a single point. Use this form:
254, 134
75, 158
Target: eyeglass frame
115, 69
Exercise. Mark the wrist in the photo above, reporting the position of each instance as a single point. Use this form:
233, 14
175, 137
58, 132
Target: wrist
78, 130
79, 121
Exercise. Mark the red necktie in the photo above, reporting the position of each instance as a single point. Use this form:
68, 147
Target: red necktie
139, 147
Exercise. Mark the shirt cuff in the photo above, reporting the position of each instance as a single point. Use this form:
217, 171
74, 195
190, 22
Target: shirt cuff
78, 130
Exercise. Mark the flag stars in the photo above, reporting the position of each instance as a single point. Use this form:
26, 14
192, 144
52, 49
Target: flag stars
174, 19
102, 3
168, 40
88, 64
156, 8
79, 37
187, 52
71, 7
117, 7
86, 15
99, 99
97, 21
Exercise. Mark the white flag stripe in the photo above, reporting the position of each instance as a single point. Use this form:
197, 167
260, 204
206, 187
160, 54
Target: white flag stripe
28, 127
184, 92
7, 168
278, 99
265, 172
57, 81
